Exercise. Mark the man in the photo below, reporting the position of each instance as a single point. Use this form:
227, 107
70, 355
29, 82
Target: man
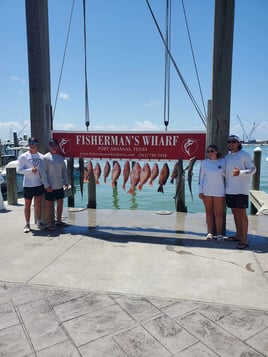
55, 178
239, 169
29, 166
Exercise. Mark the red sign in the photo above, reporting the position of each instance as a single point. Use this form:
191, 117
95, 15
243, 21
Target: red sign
143, 146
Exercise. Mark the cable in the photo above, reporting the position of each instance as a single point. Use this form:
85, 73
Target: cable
177, 69
64, 54
86, 86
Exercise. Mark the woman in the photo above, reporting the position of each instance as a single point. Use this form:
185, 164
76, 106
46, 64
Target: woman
212, 190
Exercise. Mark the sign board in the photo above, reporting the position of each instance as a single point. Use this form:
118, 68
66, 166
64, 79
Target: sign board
133, 145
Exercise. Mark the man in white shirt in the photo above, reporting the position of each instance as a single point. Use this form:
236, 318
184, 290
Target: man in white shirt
29, 166
239, 169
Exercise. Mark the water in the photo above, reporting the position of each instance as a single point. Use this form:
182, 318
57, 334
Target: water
148, 198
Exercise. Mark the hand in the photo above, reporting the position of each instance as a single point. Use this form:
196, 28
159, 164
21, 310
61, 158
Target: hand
34, 170
49, 189
201, 196
236, 171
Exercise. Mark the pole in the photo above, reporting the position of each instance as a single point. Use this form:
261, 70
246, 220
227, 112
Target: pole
39, 70
222, 72
256, 176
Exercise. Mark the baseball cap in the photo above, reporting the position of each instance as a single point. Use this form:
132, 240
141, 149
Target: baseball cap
234, 137
32, 141
52, 142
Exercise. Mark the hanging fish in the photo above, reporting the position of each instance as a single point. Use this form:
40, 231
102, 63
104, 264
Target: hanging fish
126, 173
97, 172
81, 174
154, 174
116, 171
164, 173
190, 173
87, 171
134, 177
144, 175
174, 173
106, 171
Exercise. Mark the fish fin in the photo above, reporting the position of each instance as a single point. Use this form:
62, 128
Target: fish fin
160, 189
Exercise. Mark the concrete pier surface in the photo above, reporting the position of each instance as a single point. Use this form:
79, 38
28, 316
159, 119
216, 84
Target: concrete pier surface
131, 283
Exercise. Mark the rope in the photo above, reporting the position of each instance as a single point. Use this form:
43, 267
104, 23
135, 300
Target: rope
202, 117
63, 60
167, 65
195, 66
85, 55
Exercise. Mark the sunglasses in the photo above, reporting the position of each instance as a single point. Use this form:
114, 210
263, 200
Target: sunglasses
232, 141
33, 143
209, 151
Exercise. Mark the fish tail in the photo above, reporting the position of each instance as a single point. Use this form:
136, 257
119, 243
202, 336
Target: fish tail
97, 182
140, 187
160, 189
124, 186
172, 180
131, 191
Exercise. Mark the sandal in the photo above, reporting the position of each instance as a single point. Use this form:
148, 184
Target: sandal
232, 239
62, 224
209, 236
50, 228
242, 246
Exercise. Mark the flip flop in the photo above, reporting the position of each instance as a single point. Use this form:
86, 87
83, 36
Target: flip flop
62, 224
232, 239
242, 246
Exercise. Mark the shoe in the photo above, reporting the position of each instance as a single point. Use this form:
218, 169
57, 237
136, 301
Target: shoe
232, 239
51, 228
220, 238
27, 228
209, 236
41, 225
62, 224
242, 246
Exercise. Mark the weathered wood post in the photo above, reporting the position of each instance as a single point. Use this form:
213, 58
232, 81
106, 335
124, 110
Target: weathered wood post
12, 188
256, 176
39, 70
92, 191
70, 168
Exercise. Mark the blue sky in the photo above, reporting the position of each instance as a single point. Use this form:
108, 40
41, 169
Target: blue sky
126, 65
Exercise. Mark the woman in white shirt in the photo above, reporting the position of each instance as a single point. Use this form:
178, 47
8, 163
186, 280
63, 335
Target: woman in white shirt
212, 190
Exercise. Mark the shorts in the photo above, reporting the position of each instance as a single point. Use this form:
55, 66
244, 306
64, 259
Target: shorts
30, 192
54, 195
237, 201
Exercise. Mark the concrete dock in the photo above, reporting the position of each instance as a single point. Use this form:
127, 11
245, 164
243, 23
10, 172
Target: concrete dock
131, 283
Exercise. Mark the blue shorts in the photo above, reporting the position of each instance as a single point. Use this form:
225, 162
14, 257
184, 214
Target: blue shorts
30, 192
237, 201
54, 195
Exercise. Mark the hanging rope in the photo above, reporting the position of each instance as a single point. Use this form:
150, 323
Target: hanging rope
85, 56
195, 66
63, 60
167, 65
201, 115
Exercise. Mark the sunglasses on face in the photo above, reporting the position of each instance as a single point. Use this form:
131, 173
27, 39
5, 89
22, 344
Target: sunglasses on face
32, 143
210, 151
232, 141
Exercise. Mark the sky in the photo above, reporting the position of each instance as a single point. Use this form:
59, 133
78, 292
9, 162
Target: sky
126, 66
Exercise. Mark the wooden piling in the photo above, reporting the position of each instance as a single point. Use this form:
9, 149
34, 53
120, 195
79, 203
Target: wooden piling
12, 188
256, 176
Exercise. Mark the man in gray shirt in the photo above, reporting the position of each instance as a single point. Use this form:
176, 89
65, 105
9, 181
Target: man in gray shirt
55, 178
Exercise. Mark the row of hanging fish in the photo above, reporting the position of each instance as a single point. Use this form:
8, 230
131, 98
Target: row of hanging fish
138, 175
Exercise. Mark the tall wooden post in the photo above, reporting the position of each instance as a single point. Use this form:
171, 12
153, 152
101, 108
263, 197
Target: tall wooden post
222, 72
39, 70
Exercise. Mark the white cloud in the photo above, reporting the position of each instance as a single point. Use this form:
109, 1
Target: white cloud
21, 80
64, 96
145, 125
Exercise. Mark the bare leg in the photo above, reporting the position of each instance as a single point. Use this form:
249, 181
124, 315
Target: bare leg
59, 209
218, 206
242, 221
238, 223
27, 210
48, 210
208, 203
37, 207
